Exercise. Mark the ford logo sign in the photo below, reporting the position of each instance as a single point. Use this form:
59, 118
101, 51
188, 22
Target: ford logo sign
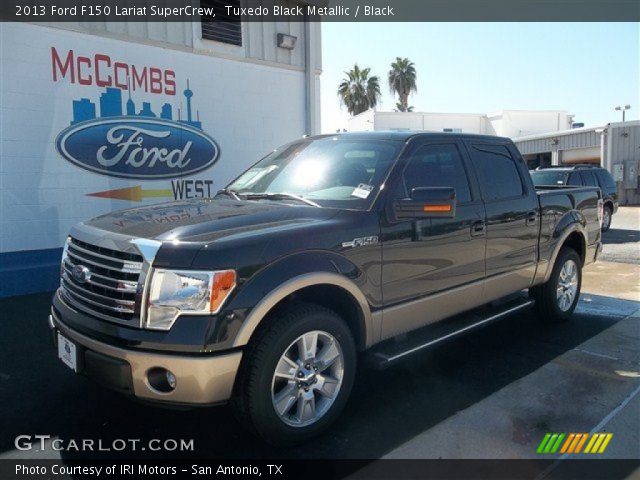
131, 147
81, 274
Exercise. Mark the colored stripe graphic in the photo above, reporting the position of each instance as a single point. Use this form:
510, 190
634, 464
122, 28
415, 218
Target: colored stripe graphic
551, 442
581, 443
605, 442
543, 443
134, 194
597, 443
568, 442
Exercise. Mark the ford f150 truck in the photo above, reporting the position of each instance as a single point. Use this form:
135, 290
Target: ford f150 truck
327, 247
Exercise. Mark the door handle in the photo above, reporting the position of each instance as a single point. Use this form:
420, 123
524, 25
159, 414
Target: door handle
478, 228
531, 218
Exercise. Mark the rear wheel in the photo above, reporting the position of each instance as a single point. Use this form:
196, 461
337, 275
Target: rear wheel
607, 214
557, 298
297, 375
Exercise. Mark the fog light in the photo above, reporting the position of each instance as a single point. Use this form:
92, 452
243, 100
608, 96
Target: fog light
171, 380
161, 380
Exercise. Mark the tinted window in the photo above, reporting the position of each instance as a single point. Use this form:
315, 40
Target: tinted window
436, 166
497, 172
574, 179
588, 179
605, 178
542, 177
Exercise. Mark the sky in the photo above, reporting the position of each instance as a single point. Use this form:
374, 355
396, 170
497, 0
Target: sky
584, 68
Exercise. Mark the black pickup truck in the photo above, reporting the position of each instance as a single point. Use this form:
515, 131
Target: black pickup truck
327, 247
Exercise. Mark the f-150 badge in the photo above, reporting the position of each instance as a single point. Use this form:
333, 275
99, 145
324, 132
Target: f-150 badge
361, 242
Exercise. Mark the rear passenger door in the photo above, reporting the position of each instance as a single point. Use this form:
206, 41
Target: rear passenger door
512, 223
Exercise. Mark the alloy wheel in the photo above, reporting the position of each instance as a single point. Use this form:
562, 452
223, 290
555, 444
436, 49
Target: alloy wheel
307, 378
567, 285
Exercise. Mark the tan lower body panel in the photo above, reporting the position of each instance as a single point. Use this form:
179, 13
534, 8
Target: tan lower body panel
199, 380
418, 313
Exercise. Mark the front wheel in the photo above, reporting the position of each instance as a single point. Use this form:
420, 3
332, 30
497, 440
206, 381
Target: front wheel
557, 298
298, 374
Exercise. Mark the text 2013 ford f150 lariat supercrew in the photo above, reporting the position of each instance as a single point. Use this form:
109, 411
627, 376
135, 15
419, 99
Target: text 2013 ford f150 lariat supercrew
327, 247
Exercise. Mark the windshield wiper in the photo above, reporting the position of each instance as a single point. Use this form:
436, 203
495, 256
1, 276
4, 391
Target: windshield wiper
280, 196
228, 192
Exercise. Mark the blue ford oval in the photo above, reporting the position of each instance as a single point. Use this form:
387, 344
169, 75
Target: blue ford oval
141, 148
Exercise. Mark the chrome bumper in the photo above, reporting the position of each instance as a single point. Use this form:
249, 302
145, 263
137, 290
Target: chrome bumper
203, 380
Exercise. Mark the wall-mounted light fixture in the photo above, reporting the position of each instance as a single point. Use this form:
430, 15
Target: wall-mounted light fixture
286, 41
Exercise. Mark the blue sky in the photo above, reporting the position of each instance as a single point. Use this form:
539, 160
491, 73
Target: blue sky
585, 68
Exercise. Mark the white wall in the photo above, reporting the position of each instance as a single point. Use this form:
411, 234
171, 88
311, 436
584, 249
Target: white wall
248, 109
507, 123
520, 123
419, 121
362, 122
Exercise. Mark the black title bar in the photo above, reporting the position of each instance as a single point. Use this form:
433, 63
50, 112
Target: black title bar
321, 10
278, 469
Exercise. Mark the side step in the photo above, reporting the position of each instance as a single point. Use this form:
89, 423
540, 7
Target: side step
394, 350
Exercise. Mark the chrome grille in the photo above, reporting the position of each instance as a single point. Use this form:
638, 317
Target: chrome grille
110, 290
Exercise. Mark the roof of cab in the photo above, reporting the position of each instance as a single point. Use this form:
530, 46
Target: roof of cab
405, 135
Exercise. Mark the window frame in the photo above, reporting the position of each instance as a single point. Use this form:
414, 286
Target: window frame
471, 144
576, 174
601, 174
584, 174
417, 146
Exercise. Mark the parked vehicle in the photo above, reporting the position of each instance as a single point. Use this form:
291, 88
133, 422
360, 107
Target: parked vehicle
582, 175
327, 247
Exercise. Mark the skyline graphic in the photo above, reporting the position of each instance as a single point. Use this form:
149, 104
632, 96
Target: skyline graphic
111, 105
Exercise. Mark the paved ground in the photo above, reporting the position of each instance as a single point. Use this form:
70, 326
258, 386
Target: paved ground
491, 394
622, 241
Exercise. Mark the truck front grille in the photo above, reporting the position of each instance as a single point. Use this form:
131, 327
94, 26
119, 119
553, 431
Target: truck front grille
101, 281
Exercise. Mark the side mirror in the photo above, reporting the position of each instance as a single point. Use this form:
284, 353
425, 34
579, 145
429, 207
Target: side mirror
427, 202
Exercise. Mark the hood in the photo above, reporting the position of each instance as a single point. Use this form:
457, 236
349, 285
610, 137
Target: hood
207, 220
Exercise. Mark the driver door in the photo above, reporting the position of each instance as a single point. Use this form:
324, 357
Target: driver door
433, 268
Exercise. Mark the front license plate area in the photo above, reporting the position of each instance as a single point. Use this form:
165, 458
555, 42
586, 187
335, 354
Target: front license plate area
67, 352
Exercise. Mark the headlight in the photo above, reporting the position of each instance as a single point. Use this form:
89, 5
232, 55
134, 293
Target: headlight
174, 292
64, 257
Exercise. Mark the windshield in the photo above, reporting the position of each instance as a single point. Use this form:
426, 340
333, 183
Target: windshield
329, 171
548, 178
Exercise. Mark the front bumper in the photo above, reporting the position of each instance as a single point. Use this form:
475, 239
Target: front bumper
200, 380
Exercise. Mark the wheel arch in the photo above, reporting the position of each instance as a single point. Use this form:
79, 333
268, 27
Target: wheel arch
608, 203
328, 289
574, 237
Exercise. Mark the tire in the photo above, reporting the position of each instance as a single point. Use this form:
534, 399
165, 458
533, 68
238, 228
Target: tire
607, 213
297, 386
552, 305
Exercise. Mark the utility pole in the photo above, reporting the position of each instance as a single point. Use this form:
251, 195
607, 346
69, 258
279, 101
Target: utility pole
623, 109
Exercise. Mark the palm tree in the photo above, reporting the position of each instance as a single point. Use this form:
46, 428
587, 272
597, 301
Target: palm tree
402, 80
358, 91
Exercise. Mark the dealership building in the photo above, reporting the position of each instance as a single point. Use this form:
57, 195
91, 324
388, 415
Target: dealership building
615, 146
96, 117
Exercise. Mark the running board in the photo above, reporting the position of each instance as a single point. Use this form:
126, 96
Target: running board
394, 350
